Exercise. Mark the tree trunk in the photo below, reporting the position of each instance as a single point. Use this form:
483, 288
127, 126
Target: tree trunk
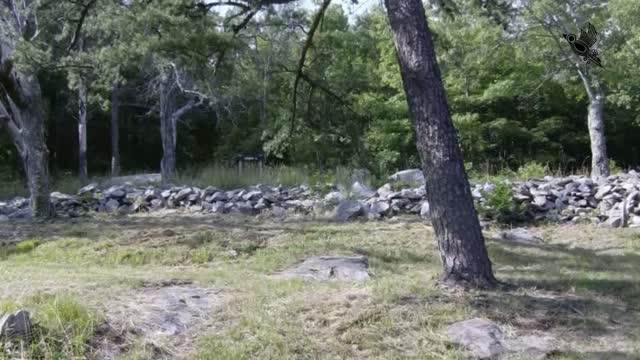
595, 120
167, 131
82, 132
22, 113
599, 160
115, 131
461, 243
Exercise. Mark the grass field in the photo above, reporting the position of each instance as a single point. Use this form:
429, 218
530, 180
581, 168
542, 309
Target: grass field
105, 285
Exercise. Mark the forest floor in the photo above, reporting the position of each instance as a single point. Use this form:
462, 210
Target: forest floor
201, 287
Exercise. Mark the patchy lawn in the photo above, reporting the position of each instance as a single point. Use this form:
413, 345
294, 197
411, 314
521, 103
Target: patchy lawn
200, 287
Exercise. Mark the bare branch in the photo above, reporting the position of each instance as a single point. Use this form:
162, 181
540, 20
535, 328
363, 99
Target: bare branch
83, 16
303, 56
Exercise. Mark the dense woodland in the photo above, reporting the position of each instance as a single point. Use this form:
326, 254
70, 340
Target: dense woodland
230, 82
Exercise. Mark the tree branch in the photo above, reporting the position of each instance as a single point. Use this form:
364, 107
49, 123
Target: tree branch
83, 16
303, 56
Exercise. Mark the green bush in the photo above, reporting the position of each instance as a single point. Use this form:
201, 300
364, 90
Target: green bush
532, 170
499, 205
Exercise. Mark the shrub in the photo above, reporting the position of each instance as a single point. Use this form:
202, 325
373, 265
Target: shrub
500, 205
532, 170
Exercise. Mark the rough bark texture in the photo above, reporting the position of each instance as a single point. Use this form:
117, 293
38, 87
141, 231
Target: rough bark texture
168, 130
82, 132
21, 112
599, 160
462, 247
115, 131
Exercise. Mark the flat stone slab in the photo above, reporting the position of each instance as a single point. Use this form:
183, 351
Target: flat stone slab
324, 268
484, 339
520, 236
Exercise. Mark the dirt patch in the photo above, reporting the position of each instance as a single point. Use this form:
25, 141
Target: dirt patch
168, 316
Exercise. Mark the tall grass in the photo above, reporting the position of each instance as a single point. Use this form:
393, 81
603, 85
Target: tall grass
228, 178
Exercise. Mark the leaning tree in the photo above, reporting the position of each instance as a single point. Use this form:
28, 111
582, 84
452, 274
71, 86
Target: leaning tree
21, 105
462, 247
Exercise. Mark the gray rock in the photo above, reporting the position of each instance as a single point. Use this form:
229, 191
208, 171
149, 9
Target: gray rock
540, 200
533, 346
520, 235
210, 190
477, 194
58, 196
183, 194
362, 191
385, 192
482, 338
4, 218
271, 196
112, 205
15, 325
219, 207
348, 210
22, 213
116, 193
380, 208
603, 191
334, 198
217, 196
424, 210
156, 204
410, 194
278, 211
412, 177
614, 221
252, 196
324, 268
88, 189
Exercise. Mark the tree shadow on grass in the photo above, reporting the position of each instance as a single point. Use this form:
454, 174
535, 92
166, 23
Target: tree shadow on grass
577, 292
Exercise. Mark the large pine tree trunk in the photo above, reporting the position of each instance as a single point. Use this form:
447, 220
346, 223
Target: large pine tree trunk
82, 132
168, 131
115, 131
462, 247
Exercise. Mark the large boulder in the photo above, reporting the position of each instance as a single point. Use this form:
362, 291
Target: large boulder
349, 210
411, 177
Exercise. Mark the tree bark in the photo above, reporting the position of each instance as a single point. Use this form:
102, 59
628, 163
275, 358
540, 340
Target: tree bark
82, 132
595, 121
461, 243
168, 130
21, 111
115, 131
